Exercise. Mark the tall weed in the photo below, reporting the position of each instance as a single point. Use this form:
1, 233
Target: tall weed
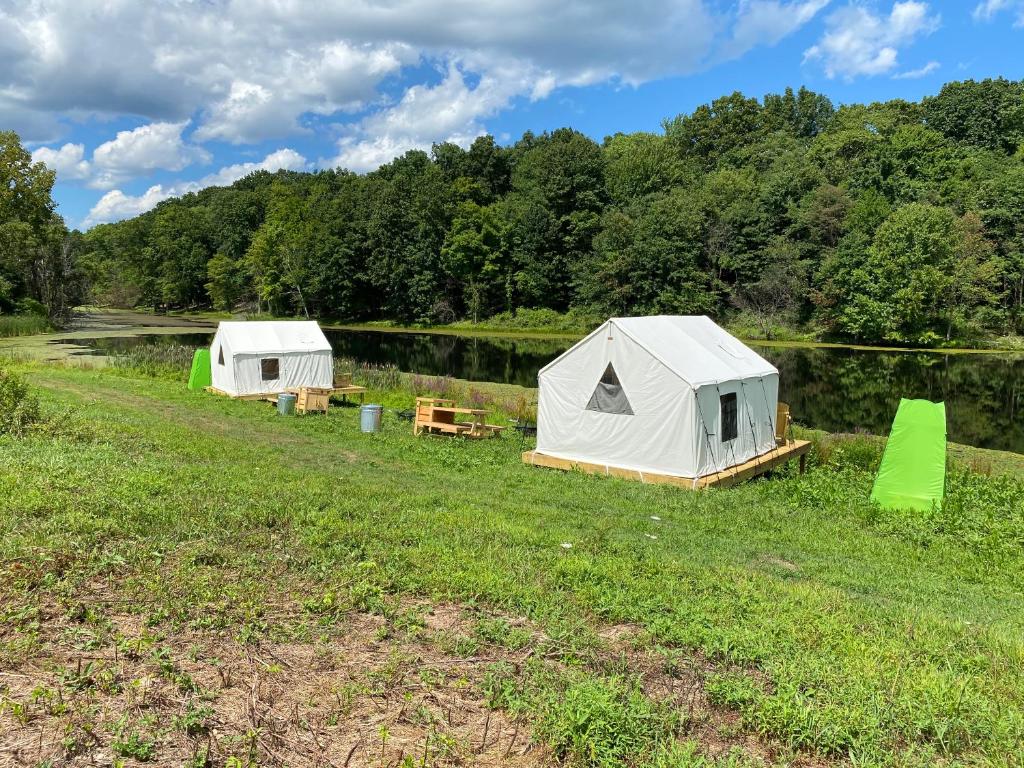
19, 406
160, 361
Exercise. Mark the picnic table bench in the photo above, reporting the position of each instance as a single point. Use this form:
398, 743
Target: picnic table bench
438, 415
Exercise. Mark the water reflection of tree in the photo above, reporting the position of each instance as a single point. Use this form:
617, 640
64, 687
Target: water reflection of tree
506, 360
843, 390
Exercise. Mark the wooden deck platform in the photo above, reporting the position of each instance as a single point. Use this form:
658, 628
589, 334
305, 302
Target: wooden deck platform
349, 389
335, 392
792, 449
309, 399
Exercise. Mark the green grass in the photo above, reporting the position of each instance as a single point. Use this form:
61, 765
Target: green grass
827, 627
23, 325
167, 361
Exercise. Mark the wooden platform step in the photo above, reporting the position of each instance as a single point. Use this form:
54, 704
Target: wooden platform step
759, 465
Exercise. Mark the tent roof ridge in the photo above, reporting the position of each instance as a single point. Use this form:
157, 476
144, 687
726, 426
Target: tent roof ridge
703, 343
729, 358
248, 337
652, 353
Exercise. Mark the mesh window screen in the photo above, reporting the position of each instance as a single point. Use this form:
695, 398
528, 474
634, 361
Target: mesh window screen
609, 396
270, 368
729, 417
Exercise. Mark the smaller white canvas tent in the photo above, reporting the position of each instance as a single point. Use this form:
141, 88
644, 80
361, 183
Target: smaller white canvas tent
267, 357
675, 396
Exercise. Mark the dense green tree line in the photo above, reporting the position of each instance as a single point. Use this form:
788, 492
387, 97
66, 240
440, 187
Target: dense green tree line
38, 272
896, 221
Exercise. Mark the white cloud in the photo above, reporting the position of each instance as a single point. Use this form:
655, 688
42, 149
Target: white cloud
156, 146
68, 161
255, 69
339, 77
766, 22
913, 74
116, 205
449, 111
989, 9
148, 148
286, 159
859, 42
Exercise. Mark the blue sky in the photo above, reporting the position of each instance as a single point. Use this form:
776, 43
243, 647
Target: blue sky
134, 102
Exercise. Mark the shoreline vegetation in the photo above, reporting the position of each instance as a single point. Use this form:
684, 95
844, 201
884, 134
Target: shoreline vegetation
458, 596
129, 322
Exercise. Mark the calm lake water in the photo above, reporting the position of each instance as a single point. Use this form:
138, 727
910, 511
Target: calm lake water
833, 389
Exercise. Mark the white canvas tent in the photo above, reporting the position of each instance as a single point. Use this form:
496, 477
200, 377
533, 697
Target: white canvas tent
674, 396
267, 357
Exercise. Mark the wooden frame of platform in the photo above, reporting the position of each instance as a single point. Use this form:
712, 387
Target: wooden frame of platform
317, 398
766, 462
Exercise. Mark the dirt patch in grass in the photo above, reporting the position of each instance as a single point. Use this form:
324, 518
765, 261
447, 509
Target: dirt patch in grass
89, 675
100, 685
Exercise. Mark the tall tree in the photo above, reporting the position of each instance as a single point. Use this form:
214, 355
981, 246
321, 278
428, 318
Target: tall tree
37, 253
987, 114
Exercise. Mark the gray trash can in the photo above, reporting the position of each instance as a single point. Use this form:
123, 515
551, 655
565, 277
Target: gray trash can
369, 417
286, 404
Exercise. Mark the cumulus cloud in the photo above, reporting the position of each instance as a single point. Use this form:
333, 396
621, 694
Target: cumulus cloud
913, 74
860, 42
156, 146
116, 205
766, 22
338, 77
283, 159
989, 9
68, 161
254, 69
130, 154
449, 111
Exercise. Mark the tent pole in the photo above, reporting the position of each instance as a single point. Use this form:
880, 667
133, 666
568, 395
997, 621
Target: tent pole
753, 432
771, 421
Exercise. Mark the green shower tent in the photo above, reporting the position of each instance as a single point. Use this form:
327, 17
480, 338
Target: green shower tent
913, 470
199, 376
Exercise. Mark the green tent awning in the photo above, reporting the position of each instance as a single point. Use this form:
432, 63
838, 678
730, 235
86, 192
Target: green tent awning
913, 470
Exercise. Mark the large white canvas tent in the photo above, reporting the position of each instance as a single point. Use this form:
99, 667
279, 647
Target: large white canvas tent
266, 357
674, 396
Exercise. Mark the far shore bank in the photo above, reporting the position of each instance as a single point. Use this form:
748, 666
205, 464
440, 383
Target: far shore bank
93, 322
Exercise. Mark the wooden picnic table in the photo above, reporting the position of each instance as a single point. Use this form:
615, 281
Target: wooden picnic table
434, 414
347, 390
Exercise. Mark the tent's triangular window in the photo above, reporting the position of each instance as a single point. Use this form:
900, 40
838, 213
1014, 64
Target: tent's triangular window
220, 356
609, 396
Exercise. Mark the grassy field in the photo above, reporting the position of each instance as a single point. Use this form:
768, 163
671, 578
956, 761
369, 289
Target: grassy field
186, 579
